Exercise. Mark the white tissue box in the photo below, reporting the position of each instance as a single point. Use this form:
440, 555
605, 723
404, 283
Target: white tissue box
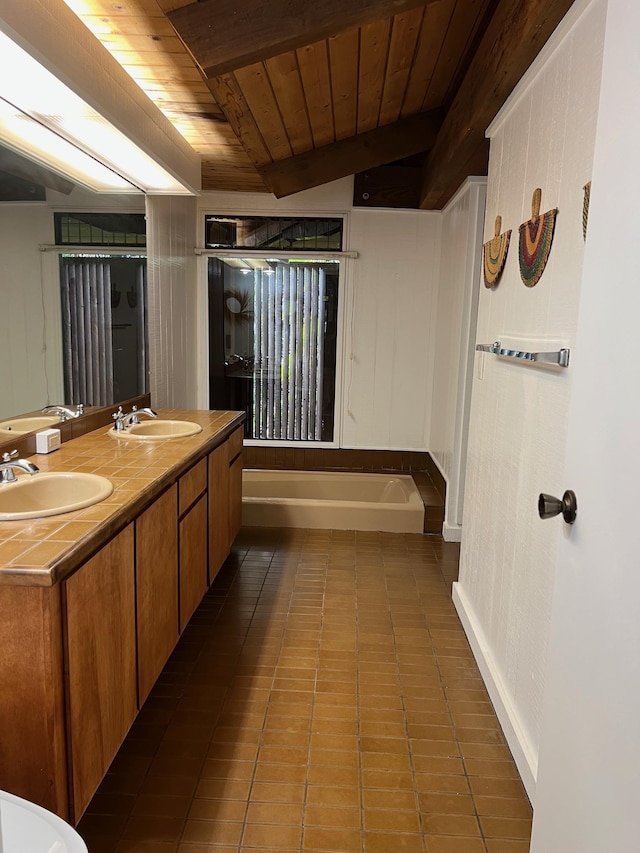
47, 440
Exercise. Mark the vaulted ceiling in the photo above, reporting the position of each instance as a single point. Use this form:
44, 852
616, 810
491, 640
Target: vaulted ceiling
284, 95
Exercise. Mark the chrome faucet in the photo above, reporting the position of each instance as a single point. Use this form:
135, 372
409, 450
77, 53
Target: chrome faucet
234, 358
134, 415
9, 462
118, 420
63, 412
123, 422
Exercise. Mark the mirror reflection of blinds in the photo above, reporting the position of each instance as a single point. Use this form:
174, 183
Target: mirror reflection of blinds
87, 328
86, 324
288, 352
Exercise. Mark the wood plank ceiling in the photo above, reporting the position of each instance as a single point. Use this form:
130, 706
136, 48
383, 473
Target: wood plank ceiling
283, 95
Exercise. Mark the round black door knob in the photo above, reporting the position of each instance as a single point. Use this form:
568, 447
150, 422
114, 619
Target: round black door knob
549, 507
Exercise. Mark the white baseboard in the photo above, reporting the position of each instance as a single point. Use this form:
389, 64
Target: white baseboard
451, 532
522, 750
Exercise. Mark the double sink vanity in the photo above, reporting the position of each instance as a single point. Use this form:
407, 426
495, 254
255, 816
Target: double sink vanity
94, 599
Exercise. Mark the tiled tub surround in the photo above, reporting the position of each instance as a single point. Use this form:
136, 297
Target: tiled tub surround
420, 465
93, 602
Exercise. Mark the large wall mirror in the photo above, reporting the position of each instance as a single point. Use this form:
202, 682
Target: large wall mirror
53, 299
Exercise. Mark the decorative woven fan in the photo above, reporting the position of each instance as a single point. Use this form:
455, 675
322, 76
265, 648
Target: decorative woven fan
495, 255
536, 237
585, 208
237, 306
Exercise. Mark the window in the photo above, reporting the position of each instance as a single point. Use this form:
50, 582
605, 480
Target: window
273, 339
100, 229
289, 234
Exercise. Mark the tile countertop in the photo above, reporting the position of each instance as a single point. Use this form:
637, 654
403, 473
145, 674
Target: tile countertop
43, 551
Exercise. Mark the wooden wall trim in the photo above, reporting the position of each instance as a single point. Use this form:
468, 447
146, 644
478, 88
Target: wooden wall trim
336, 459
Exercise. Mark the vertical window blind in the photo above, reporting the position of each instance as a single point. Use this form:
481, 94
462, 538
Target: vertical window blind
86, 324
289, 317
87, 328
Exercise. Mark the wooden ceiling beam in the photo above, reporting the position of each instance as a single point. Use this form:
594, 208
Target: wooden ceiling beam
223, 35
515, 35
348, 156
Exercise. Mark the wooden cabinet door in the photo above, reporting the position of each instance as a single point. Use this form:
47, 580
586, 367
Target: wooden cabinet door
235, 498
156, 587
218, 509
225, 499
101, 664
193, 560
33, 761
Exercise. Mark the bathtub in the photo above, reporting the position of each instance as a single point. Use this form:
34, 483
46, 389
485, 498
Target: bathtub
338, 501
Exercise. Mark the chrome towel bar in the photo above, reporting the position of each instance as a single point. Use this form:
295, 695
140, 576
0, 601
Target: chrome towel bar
559, 357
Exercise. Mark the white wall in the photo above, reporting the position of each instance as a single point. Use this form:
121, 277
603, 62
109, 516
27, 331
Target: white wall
30, 324
173, 301
458, 289
329, 198
30, 372
543, 137
388, 296
390, 329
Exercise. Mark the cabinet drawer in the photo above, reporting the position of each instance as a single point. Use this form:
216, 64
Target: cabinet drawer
191, 485
234, 445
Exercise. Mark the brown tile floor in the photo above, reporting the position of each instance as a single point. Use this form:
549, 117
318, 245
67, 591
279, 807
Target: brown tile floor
323, 698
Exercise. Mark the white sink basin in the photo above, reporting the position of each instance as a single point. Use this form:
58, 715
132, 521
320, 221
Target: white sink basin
158, 429
17, 426
40, 495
